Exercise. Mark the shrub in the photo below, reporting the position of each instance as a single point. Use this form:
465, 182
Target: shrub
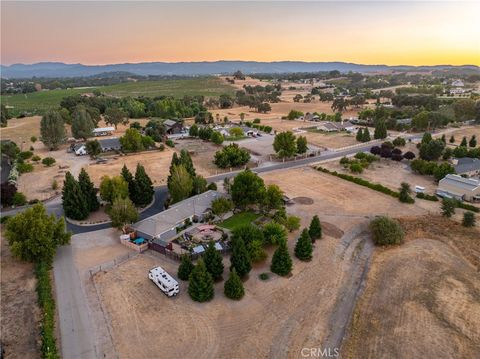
356, 168
409, 155
36, 158
292, 223
468, 219
386, 231
48, 161
170, 143
25, 155
262, 276
4, 219
448, 207
47, 305
375, 150
399, 141
33, 139
257, 120
24, 167
19, 199
427, 197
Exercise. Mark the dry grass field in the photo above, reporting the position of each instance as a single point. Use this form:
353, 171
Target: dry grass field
422, 297
388, 173
134, 307
272, 320
334, 199
20, 315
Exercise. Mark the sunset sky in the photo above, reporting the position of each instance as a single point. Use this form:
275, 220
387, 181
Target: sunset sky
392, 33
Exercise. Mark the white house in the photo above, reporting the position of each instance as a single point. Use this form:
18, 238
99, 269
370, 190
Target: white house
80, 149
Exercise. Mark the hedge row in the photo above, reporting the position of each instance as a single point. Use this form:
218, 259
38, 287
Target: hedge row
47, 305
427, 197
467, 206
266, 129
360, 181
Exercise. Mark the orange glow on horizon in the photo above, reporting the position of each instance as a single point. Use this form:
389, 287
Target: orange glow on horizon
390, 33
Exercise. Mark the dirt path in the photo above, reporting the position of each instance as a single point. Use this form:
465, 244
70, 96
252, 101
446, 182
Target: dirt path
357, 251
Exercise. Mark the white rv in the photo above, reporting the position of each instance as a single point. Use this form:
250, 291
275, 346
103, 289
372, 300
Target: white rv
164, 281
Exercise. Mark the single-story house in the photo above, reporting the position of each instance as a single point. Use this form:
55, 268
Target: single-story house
110, 144
467, 166
80, 149
337, 126
103, 131
172, 127
163, 226
458, 187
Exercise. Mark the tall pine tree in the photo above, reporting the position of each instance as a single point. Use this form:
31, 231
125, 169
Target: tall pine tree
185, 268
200, 283
143, 186
186, 160
128, 177
74, 203
233, 287
213, 261
303, 248
359, 136
366, 135
315, 229
240, 259
88, 190
281, 261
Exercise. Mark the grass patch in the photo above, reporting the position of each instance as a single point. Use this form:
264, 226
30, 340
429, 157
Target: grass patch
39, 102
238, 220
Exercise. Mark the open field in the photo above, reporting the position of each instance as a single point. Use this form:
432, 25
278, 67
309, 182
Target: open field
335, 200
271, 320
20, 315
156, 164
202, 153
432, 308
459, 133
37, 102
388, 173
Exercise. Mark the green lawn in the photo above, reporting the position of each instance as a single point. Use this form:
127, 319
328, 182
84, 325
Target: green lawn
38, 102
239, 219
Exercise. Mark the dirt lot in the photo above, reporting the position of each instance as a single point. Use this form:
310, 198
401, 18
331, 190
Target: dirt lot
156, 164
459, 133
389, 173
202, 154
20, 315
336, 200
432, 308
221, 328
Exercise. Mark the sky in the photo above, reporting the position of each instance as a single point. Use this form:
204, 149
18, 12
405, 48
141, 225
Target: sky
101, 32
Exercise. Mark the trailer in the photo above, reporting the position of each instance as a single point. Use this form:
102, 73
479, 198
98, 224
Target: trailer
164, 281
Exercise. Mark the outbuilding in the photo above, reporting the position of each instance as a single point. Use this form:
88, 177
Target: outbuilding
458, 187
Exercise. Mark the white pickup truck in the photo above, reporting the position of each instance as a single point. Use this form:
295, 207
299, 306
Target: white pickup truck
164, 281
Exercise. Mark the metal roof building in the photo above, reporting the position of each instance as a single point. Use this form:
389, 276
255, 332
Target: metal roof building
459, 187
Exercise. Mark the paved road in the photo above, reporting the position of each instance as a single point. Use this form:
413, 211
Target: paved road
74, 319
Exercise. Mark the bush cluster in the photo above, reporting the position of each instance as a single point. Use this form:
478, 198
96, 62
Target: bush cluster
427, 197
47, 305
430, 168
266, 129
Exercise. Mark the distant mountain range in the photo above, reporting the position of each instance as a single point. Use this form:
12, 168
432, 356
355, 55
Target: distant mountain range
59, 69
